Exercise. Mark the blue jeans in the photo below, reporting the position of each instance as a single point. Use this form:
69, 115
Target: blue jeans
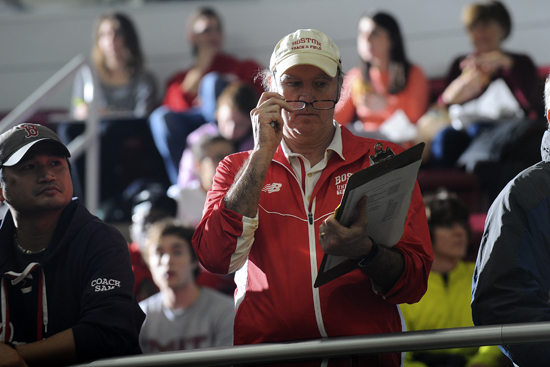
449, 144
170, 131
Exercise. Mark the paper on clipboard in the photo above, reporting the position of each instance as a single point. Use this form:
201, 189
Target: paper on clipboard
389, 186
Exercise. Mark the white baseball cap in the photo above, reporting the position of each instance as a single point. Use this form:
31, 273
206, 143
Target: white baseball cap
306, 46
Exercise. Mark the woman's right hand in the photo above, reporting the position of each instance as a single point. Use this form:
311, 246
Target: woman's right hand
488, 62
467, 86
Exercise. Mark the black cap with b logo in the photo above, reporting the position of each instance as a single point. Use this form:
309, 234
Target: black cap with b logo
15, 142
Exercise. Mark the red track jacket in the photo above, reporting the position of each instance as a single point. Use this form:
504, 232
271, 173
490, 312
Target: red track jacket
275, 299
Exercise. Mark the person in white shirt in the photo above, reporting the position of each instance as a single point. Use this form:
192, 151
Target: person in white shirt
182, 315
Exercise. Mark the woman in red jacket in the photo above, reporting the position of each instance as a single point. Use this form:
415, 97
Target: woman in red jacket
385, 80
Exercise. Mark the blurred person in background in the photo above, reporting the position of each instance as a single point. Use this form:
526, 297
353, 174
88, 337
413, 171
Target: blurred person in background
208, 152
151, 205
232, 122
183, 315
446, 303
126, 87
125, 95
469, 134
190, 99
384, 81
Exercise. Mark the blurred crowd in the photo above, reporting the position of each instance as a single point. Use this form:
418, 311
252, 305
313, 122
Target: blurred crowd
160, 147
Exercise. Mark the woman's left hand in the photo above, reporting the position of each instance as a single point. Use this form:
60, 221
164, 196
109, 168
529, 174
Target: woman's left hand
492, 62
489, 62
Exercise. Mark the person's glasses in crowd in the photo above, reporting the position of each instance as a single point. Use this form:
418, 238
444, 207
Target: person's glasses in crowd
324, 104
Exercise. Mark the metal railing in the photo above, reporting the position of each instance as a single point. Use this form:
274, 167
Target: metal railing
340, 346
87, 142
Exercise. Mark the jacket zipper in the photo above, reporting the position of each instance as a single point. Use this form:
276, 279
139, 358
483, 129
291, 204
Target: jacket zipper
312, 242
312, 239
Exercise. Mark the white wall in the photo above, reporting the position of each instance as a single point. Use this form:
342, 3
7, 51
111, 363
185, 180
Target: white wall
34, 45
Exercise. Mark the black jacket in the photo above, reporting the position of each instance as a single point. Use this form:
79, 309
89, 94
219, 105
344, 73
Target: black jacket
511, 282
88, 287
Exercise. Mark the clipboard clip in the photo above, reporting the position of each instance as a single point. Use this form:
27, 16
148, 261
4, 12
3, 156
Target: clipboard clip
380, 154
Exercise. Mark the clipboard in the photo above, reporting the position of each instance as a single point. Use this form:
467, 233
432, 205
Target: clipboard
386, 168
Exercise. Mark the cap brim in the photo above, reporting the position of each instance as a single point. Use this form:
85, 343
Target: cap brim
324, 63
20, 153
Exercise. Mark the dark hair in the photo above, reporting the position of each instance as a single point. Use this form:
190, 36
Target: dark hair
486, 11
445, 208
131, 43
399, 64
239, 95
200, 148
155, 194
201, 12
171, 227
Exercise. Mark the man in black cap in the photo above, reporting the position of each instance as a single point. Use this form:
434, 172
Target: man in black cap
67, 283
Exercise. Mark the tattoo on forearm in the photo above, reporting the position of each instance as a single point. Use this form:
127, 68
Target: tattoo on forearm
244, 195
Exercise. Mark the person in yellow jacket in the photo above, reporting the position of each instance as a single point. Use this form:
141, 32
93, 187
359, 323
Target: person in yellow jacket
446, 303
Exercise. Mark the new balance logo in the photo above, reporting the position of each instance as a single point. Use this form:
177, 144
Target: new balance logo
274, 187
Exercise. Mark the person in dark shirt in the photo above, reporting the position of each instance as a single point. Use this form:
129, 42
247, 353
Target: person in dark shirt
67, 282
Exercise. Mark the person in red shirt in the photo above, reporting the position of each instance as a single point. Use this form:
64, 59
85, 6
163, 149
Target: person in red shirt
191, 95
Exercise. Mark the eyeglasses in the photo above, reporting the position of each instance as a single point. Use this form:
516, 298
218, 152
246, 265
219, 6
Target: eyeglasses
324, 104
